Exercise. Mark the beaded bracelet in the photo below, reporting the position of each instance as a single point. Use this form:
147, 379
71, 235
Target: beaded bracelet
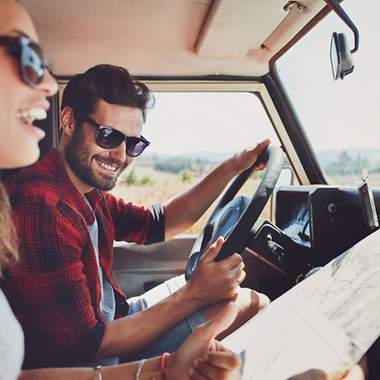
163, 360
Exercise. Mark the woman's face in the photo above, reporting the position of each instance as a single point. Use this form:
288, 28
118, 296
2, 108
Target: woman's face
19, 103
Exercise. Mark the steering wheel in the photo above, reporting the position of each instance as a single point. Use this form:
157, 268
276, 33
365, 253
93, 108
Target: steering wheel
234, 217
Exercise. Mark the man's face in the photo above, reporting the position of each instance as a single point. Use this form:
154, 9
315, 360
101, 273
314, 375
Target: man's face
95, 166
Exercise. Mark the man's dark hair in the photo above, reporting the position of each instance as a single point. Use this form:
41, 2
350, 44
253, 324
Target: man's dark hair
111, 83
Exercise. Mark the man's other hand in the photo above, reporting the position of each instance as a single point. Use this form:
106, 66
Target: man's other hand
212, 281
248, 157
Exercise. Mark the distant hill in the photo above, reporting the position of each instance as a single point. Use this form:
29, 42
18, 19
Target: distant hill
335, 161
197, 162
326, 157
211, 157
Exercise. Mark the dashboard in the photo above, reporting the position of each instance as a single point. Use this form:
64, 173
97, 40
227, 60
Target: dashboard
312, 225
293, 218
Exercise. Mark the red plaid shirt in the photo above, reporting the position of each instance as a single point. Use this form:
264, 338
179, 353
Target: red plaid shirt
55, 289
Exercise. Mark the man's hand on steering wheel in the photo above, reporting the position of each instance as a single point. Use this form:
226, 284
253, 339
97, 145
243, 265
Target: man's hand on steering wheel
247, 157
234, 215
213, 281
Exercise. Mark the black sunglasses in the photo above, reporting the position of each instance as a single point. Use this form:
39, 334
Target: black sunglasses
29, 54
109, 138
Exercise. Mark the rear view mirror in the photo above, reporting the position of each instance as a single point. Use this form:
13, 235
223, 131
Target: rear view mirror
340, 56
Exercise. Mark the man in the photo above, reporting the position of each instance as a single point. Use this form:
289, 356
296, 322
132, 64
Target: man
62, 291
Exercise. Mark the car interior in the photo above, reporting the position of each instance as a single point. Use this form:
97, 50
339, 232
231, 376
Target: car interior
234, 46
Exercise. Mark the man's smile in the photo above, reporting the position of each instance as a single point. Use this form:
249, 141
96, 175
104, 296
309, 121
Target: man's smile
108, 166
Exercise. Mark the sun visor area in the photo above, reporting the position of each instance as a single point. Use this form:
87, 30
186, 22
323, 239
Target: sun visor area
168, 38
254, 29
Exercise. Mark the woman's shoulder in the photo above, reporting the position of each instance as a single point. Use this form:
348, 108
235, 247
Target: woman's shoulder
11, 341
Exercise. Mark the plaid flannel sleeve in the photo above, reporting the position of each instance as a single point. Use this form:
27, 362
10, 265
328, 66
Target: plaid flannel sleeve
50, 283
136, 223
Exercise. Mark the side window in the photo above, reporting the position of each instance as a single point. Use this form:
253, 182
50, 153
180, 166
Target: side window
190, 133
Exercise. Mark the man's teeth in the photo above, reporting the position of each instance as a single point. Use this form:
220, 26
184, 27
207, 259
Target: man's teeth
32, 114
106, 166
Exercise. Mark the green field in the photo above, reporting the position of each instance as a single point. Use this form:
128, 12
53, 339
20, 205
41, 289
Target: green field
165, 186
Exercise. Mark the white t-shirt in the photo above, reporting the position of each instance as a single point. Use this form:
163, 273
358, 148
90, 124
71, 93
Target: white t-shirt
11, 342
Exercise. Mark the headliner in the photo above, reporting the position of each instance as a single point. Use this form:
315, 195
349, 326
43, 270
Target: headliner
166, 37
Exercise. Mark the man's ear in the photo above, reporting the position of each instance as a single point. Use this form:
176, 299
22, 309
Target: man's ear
68, 122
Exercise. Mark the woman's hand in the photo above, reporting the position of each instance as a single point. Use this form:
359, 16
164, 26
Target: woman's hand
219, 363
202, 357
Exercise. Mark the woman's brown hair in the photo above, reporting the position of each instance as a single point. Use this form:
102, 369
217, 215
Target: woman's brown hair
8, 243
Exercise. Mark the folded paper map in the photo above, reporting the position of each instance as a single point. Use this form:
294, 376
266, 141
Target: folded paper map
328, 320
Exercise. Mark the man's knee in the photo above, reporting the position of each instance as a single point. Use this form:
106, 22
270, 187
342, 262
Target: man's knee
251, 301
263, 299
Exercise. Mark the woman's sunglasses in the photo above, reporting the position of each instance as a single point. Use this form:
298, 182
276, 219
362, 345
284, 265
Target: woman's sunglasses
29, 54
109, 138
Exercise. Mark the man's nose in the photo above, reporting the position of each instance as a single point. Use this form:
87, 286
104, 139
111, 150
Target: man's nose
119, 152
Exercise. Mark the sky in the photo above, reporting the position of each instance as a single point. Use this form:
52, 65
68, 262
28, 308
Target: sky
344, 113
335, 114
183, 123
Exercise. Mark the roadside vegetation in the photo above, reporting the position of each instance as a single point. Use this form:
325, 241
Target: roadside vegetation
144, 184
155, 180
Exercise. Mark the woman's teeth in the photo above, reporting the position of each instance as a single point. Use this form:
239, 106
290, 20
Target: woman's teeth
32, 114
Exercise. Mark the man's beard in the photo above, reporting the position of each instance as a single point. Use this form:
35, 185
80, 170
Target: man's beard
79, 161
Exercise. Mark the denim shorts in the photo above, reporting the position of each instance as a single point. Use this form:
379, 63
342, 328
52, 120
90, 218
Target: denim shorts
172, 339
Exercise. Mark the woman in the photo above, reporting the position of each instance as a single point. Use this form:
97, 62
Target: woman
25, 85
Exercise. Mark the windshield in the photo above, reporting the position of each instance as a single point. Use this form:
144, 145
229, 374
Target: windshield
190, 133
341, 118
